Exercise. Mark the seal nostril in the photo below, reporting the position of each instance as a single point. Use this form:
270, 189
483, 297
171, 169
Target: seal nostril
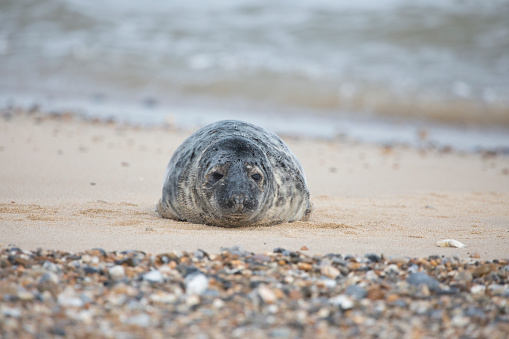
238, 202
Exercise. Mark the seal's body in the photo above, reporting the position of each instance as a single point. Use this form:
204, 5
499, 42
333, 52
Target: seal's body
232, 173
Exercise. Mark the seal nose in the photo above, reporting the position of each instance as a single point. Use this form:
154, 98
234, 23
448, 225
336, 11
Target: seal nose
238, 202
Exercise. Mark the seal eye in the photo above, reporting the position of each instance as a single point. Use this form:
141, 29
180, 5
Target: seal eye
216, 176
256, 177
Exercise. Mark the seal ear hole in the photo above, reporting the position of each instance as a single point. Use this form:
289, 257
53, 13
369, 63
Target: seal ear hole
256, 177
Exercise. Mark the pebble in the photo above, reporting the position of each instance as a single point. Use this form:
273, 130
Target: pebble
422, 278
392, 269
343, 301
266, 294
357, 292
330, 272
373, 257
68, 298
478, 289
196, 283
235, 293
500, 290
117, 272
142, 319
153, 277
49, 277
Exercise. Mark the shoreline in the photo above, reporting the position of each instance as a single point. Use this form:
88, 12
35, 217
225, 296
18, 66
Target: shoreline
75, 185
346, 127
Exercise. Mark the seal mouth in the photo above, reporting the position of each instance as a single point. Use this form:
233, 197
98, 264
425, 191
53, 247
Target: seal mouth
237, 216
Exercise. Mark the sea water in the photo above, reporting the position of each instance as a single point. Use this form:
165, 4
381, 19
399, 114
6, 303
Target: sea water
378, 70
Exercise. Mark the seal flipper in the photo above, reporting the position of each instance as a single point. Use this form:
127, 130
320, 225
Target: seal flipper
164, 211
307, 214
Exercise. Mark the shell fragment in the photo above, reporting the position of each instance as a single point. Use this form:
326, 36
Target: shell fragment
450, 243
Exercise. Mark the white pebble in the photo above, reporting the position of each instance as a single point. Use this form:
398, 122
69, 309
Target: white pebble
392, 268
218, 303
196, 283
69, 298
266, 294
478, 289
329, 283
153, 276
117, 272
192, 300
11, 312
165, 298
371, 276
342, 301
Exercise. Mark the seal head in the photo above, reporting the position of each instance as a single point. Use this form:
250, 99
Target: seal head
233, 181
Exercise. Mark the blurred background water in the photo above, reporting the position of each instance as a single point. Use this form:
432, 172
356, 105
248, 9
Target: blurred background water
374, 70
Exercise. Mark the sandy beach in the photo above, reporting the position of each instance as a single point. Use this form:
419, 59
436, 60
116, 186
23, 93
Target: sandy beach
73, 185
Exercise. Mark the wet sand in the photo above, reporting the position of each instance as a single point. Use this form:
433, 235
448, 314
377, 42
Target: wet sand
73, 185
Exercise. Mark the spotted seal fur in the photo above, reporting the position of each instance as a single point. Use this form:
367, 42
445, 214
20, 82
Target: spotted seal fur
232, 173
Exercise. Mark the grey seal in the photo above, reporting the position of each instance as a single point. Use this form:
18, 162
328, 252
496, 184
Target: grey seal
232, 173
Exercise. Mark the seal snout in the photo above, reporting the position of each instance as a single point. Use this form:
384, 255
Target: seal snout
238, 201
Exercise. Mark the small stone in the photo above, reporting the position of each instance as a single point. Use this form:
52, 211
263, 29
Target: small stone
475, 255
392, 269
304, 266
218, 303
49, 277
91, 270
372, 276
49, 266
153, 277
391, 298
68, 298
329, 283
192, 300
142, 320
356, 292
281, 332
483, 270
24, 295
496, 289
117, 272
478, 289
375, 293
422, 278
196, 283
422, 291
86, 258
304, 248
261, 257
13, 312
400, 260
373, 257
330, 272
266, 294
460, 321
164, 298
463, 276
343, 301
295, 295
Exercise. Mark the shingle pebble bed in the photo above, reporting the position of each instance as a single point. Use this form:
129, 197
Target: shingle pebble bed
239, 294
